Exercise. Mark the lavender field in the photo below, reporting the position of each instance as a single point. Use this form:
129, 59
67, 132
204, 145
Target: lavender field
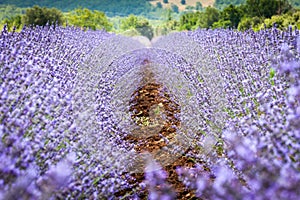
205, 114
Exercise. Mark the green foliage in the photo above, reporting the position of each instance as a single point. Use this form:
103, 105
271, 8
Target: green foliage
13, 22
42, 16
140, 24
86, 18
252, 13
189, 21
271, 76
230, 17
282, 21
276, 19
222, 24
130, 22
165, 1
233, 14
266, 8
272, 72
194, 20
208, 17
183, 2
255, 14
296, 19
248, 23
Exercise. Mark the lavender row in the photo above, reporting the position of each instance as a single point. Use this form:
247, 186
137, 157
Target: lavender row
40, 139
253, 92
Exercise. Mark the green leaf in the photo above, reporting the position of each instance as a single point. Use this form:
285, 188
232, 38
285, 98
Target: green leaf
272, 73
96, 180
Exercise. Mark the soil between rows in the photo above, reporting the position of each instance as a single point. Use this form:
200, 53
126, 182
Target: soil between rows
157, 115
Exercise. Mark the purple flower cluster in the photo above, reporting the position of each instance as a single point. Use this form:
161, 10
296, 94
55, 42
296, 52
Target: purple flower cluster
155, 178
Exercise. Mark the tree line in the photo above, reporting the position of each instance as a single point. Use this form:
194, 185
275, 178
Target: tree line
41, 16
255, 14
80, 17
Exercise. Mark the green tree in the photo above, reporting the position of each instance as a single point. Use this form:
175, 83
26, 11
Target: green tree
249, 23
276, 19
296, 18
141, 25
165, 1
42, 16
208, 17
145, 28
232, 14
86, 18
222, 24
282, 21
204, 19
130, 22
245, 24
266, 8
189, 21
183, 2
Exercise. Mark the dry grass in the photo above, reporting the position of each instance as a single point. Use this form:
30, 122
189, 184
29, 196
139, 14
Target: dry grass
205, 3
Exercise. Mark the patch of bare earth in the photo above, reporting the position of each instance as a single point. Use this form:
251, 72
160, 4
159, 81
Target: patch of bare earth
148, 103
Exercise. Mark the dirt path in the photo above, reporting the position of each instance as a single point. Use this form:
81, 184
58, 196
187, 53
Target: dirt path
156, 115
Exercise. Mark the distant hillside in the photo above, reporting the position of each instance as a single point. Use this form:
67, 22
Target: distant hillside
7, 12
110, 7
205, 3
220, 4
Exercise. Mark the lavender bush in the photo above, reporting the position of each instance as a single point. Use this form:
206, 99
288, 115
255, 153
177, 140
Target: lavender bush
253, 79
64, 113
